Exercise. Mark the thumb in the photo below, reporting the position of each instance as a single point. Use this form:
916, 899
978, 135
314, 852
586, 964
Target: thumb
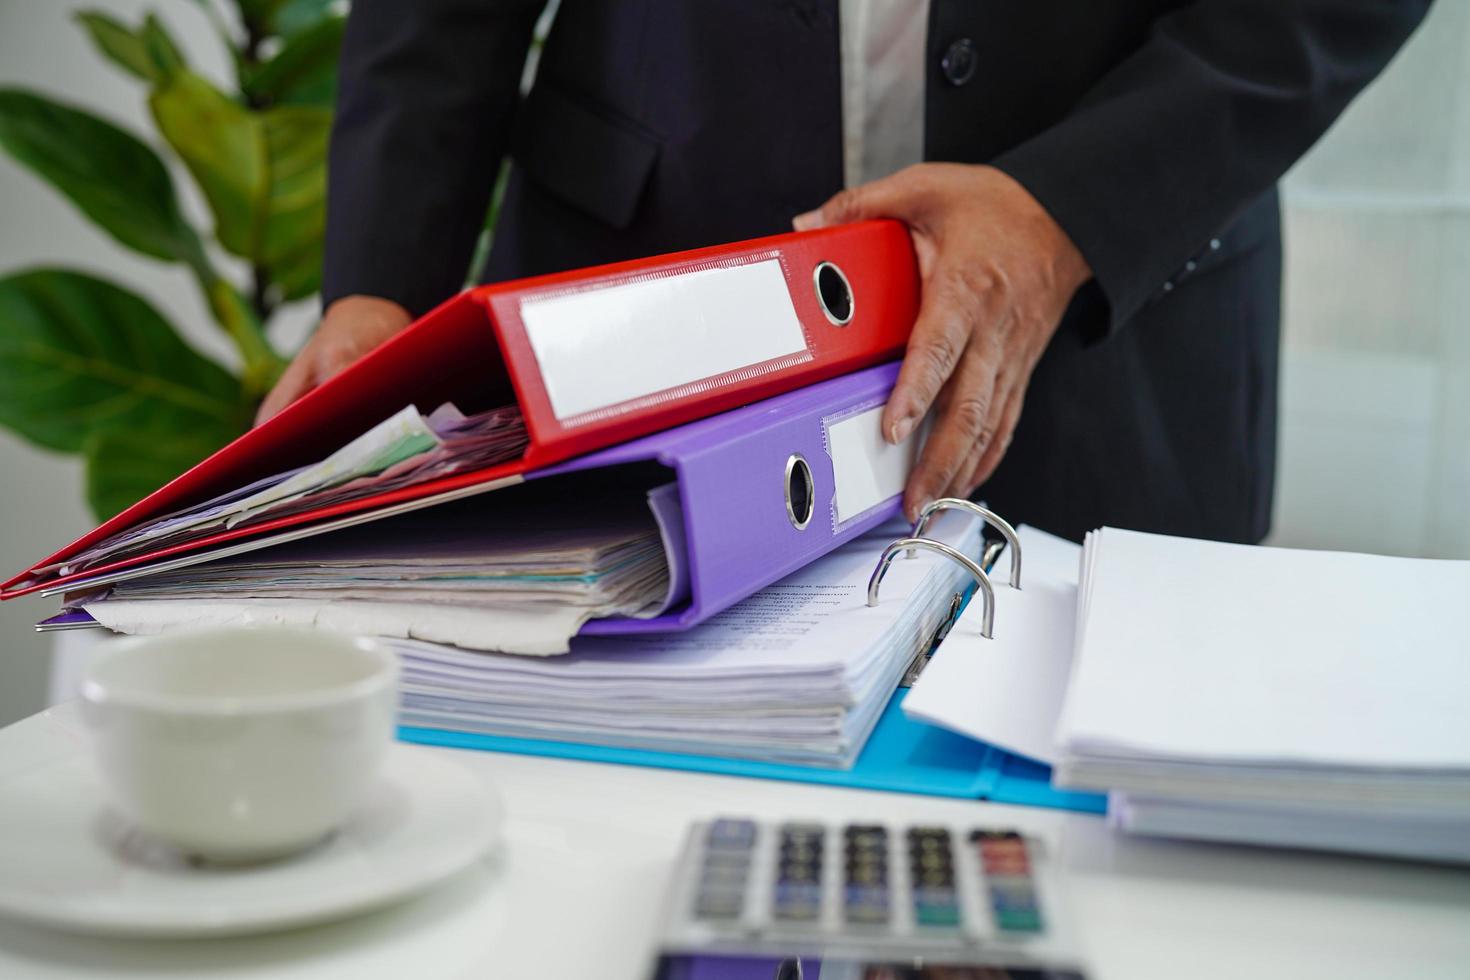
895, 196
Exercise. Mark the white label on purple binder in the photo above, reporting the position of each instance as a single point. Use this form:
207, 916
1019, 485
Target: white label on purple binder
609, 345
866, 469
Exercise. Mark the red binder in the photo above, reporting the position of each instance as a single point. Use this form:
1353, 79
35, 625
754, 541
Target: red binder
593, 357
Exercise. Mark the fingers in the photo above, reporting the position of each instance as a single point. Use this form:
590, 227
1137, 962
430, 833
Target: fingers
900, 195
957, 306
995, 452
960, 428
294, 382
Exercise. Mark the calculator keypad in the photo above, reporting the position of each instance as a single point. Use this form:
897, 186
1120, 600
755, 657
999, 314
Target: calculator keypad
728, 853
867, 889
798, 892
865, 893
932, 876
868, 879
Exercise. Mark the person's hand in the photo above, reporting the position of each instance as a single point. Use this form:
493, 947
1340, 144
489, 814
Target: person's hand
997, 275
351, 327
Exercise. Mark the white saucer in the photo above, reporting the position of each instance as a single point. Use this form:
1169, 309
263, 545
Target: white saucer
68, 862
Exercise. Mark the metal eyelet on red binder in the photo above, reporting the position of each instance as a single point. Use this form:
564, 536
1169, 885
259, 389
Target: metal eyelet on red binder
990, 517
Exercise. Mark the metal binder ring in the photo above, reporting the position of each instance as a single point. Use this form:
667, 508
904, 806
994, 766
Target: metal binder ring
1013, 543
982, 581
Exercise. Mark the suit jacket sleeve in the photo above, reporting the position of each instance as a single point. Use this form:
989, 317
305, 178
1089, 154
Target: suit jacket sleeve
1204, 117
426, 91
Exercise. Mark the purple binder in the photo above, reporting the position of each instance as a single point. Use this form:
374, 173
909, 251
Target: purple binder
762, 490
733, 472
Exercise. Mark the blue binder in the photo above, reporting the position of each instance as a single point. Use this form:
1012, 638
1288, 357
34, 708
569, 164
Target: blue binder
902, 756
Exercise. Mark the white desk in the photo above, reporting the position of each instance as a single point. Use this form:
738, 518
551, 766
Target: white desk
578, 892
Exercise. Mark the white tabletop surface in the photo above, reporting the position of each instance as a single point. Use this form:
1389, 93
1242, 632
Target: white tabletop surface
577, 893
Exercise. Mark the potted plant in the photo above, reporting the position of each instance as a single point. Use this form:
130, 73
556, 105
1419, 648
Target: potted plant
88, 366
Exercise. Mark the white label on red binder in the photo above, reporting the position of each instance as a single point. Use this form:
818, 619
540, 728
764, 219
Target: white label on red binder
866, 469
609, 345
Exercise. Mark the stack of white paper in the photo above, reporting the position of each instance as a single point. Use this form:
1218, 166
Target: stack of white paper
799, 672
1007, 690
1305, 698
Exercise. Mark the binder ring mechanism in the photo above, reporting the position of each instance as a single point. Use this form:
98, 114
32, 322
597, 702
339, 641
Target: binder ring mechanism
916, 542
982, 581
1013, 543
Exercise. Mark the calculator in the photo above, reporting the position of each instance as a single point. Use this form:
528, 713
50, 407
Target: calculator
805, 899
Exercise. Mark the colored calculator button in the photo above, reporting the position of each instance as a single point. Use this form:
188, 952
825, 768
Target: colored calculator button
1013, 897
718, 903
936, 916
865, 895
730, 835
866, 904
936, 903
797, 902
803, 831
866, 915
726, 861
798, 893
1018, 866
1019, 920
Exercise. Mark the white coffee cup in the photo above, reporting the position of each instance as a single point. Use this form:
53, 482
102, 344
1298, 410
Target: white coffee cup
240, 745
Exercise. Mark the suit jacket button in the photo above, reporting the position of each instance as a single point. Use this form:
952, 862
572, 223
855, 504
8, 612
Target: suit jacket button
958, 63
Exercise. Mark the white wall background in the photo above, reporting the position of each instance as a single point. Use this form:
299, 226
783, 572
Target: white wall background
1375, 434
1376, 388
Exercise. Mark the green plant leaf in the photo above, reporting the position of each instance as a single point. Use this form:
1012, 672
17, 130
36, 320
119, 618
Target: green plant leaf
125, 465
114, 178
162, 49
304, 72
263, 173
295, 16
291, 246
119, 44
82, 356
259, 16
282, 17
220, 142
262, 364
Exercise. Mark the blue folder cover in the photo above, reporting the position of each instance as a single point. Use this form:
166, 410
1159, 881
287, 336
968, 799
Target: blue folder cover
902, 756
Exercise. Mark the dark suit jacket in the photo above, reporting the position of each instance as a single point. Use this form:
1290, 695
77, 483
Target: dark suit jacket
1153, 131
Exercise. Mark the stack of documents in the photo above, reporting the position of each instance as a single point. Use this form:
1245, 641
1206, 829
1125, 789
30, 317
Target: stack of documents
799, 672
521, 573
405, 449
1304, 698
